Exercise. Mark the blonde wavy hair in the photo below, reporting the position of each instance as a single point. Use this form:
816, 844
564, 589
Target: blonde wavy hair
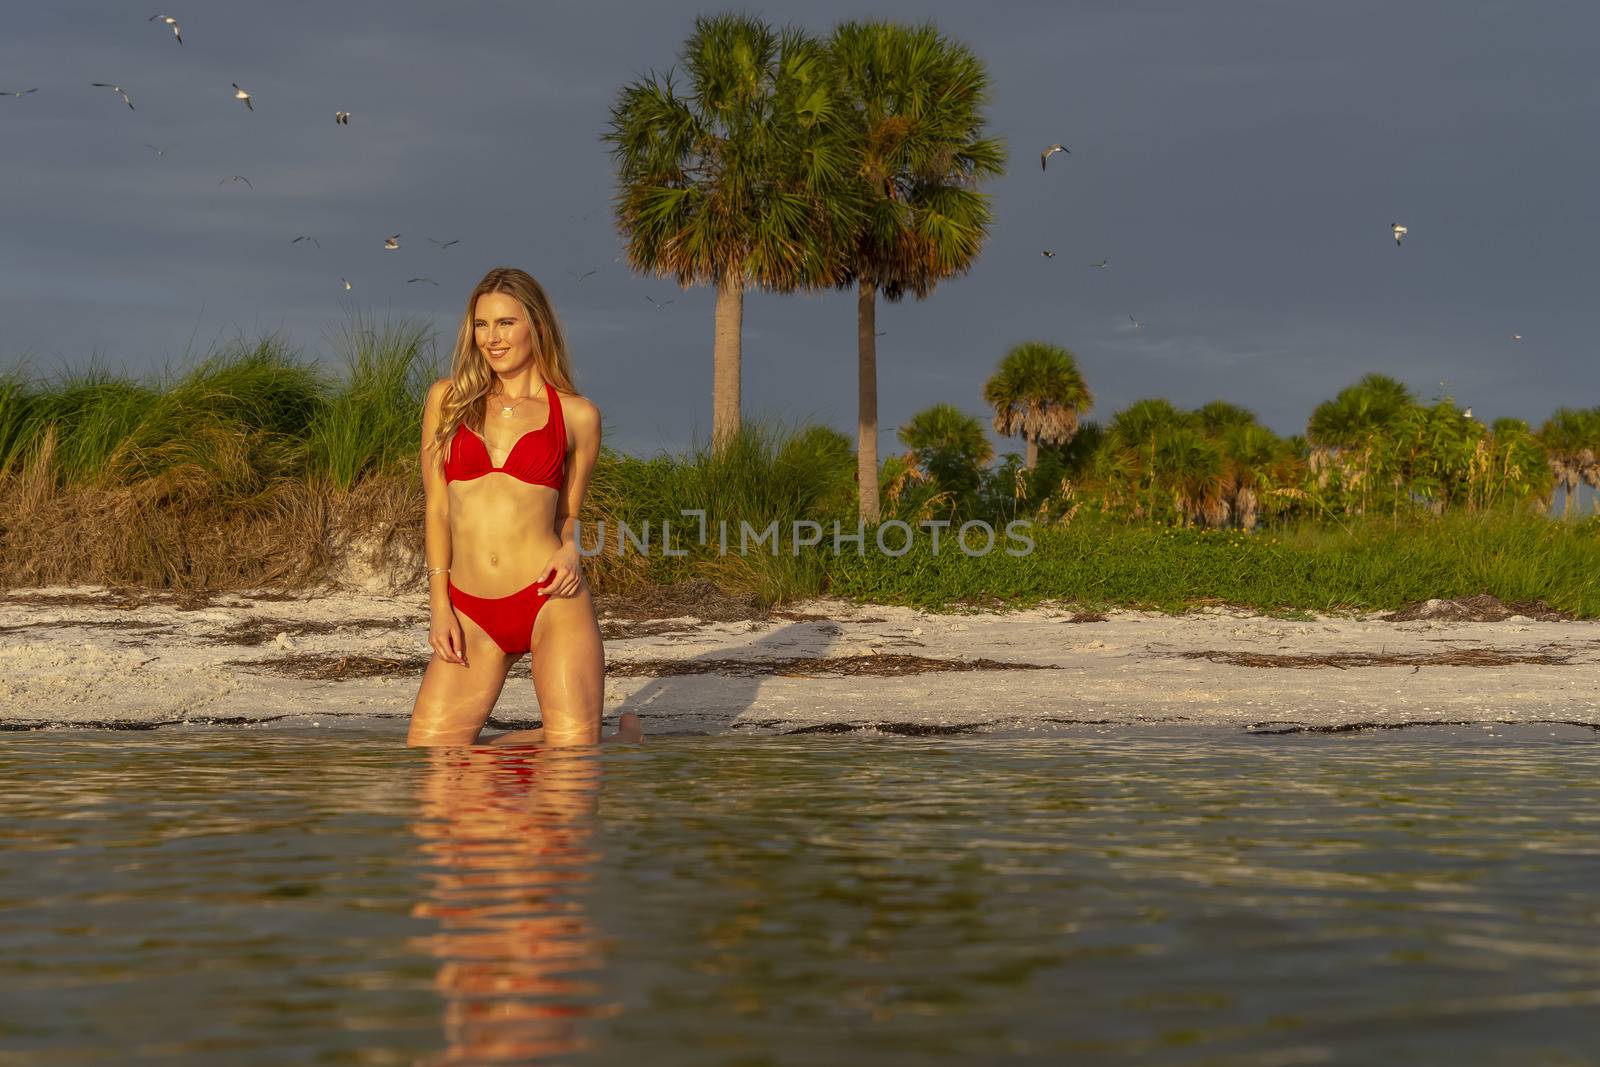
471, 377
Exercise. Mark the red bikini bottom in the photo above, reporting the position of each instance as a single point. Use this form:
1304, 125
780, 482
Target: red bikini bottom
506, 619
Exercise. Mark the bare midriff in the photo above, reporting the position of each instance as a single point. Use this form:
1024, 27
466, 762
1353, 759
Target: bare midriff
502, 532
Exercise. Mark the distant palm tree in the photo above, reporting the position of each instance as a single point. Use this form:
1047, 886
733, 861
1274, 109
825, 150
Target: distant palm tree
1371, 404
736, 181
1255, 462
1038, 393
1189, 465
914, 102
1571, 438
951, 447
1135, 430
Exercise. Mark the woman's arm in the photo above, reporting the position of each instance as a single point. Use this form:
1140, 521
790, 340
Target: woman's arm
444, 630
583, 442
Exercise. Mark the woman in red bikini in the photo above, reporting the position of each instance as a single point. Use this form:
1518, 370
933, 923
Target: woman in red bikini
507, 450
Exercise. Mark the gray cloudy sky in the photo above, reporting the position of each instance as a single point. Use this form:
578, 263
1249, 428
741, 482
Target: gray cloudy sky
1238, 162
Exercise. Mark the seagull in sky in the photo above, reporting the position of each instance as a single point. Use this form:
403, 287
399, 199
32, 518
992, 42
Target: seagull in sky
582, 276
18, 92
1136, 323
236, 178
1047, 254
170, 21
118, 90
1398, 230
341, 118
658, 303
157, 151
1048, 152
445, 244
344, 283
1467, 414
1102, 265
430, 281
306, 237
391, 243
240, 94
1516, 337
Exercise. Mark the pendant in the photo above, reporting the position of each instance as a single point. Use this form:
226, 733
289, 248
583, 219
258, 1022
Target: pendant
505, 413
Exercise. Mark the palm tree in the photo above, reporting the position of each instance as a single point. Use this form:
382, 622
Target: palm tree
1037, 392
1189, 465
1571, 438
952, 449
1135, 430
1371, 404
914, 103
736, 182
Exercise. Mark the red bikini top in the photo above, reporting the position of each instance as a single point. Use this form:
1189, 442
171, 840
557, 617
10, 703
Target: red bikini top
543, 462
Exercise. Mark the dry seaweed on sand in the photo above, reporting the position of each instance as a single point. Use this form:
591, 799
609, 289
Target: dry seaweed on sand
1458, 657
325, 667
892, 665
698, 597
259, 631
1480, 608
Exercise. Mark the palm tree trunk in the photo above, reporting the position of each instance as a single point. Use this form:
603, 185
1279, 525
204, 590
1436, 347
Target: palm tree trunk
867, 400
725, 358
1033, 452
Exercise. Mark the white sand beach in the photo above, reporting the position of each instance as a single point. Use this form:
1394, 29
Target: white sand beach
88, 655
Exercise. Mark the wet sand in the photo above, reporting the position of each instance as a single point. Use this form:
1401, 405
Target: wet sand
87, 656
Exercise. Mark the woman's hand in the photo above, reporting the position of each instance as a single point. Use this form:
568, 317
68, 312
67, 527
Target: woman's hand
563, 573
446, 637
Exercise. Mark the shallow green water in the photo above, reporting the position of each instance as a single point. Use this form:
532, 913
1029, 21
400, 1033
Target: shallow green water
256, 897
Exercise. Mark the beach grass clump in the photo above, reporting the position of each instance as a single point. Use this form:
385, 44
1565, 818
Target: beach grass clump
765, 474
1370, 565
371, 423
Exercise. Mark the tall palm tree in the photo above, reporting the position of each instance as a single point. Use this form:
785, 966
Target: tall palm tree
738, 180
914, 102
1037, 392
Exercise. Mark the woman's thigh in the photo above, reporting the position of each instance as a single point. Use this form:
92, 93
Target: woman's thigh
454, 701
569, 667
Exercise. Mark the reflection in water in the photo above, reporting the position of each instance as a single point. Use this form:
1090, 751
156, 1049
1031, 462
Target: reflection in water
506, 836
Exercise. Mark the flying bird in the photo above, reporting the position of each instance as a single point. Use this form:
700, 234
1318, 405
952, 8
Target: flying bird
157, 151
658, 303
306, 237
118, 90
445, 244
1103, 264
344, 283
18, 92
1048, 152
1398, 230
1136, 322
235, 178
240, 94
392, 243
430, 281
1467, 414
1047, 254
170, 21
1516, 337
582, 276
342, 118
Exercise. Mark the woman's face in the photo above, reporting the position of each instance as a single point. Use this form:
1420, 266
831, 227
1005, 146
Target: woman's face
502, 332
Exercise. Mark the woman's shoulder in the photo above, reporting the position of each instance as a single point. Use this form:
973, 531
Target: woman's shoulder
577, 403
437, 391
